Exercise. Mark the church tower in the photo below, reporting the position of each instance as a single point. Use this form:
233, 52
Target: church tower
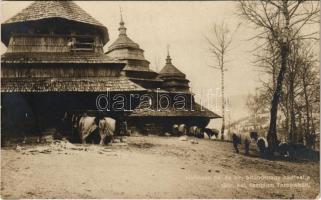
173, 79
137, 67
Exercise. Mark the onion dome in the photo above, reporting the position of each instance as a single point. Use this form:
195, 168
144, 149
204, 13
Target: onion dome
43, 14
173, 78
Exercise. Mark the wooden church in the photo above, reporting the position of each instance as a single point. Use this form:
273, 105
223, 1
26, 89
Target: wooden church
55, 64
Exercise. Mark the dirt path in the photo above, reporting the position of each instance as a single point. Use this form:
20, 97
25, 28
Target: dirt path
152, 167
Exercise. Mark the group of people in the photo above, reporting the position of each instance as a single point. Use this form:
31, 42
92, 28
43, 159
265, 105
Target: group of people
246, 139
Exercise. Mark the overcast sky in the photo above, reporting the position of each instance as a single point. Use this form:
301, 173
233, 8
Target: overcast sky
183, 26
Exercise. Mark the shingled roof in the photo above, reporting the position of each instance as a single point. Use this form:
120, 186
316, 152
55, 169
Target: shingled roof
123, 41
137, 68
198, 111
44, 57
169, 70
68, 84
41, 10
51, 9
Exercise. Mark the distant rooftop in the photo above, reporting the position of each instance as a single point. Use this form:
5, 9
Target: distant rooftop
170, 70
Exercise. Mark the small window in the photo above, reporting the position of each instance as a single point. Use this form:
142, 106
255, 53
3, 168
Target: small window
81, 44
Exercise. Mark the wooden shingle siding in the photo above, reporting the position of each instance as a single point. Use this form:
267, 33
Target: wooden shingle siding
48, 10
46, 43
128, 54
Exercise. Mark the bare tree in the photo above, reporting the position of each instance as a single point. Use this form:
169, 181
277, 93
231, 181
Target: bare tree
255, 104
309, 90
283, 21
299, 80
220, 42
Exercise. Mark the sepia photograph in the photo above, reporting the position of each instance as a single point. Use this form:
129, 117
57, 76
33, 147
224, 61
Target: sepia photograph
160, 99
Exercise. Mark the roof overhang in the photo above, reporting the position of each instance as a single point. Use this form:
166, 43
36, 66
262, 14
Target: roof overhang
86, 84
8, 28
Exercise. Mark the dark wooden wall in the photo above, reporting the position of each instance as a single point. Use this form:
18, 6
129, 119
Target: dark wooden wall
47, 43
58, 70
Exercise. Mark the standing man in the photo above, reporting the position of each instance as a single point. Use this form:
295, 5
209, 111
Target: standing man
236, 141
